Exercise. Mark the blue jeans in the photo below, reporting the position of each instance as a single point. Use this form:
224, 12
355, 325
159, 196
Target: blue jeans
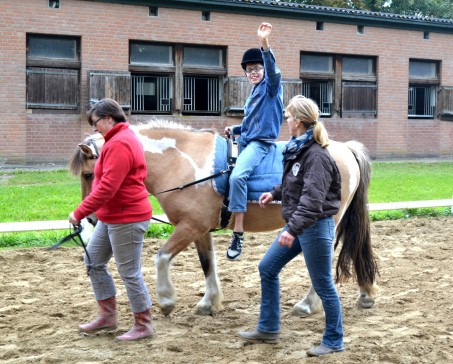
125, 243
248, 159
316, 244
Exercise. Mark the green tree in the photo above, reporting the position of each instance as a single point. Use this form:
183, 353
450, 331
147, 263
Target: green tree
347, 4
433, 8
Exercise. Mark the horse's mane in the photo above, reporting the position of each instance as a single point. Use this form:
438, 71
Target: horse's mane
76, 161
78, 158
172, 125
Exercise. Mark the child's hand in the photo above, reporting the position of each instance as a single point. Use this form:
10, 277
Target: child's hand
264, 30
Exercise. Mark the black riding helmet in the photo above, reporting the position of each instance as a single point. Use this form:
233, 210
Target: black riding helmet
253, 55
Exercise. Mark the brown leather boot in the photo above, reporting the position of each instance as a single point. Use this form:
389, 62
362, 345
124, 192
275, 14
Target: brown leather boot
142, 327
106, 319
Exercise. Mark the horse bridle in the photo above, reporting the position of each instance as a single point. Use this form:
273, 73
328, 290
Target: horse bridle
92, 141
79, 241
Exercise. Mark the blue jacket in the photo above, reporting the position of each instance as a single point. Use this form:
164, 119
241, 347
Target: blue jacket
263, 110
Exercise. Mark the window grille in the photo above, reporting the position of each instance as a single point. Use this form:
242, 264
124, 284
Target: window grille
321, 92
151, 93
201, 94
422, 101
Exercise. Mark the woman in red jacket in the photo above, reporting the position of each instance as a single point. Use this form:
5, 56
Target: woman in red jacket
120, 200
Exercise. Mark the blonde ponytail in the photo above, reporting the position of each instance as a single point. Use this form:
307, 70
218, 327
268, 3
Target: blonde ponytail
320, 134
307, 112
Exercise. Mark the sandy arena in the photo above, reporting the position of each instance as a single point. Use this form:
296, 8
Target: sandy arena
45, 295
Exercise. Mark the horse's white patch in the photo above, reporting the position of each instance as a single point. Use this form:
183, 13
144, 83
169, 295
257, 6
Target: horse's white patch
161, 145
157, 145
353, 179
153, 145
87, 231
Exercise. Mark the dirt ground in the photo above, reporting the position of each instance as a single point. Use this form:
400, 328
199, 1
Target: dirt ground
45, 295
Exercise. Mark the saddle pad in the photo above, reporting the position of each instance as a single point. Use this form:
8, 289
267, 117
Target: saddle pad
264, 177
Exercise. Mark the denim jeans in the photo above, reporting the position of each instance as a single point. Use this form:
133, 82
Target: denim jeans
248, 159
125, 243
316, 244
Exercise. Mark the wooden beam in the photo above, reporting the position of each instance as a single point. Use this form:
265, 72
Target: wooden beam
12, 227
409, 205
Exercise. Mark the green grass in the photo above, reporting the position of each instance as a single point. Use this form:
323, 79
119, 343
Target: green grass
52, 195
43, 196
36, 196
410, 181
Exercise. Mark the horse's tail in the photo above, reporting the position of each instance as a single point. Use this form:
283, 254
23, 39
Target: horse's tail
354, 229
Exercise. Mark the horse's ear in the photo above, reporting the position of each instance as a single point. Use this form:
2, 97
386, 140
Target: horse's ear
85, 149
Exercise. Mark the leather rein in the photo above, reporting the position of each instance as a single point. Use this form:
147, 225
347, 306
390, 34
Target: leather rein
79, 241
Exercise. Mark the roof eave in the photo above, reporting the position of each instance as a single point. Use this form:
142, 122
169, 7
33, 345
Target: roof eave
296, 11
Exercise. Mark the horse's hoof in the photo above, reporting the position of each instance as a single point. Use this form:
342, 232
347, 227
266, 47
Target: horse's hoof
204, 311
166, 308
297, 311
365, 301
306, 308
300, 311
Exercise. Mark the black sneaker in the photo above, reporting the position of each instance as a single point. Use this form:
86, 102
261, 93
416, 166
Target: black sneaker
234, 251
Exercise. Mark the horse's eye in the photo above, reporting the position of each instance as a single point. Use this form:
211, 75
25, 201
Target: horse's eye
88, 176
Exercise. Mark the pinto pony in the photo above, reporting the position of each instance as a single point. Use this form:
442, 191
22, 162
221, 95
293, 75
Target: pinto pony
177, 155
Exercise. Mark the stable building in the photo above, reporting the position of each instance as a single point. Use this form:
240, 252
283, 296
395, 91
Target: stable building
385, 80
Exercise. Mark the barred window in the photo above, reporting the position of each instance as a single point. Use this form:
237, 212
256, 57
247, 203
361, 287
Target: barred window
345, 86
321, 92
176, 78
423, 86
151, 93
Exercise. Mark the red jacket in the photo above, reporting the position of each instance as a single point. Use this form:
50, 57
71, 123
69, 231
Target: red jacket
118, 192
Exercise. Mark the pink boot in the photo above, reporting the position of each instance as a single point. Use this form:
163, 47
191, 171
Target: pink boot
142, 327
106, 319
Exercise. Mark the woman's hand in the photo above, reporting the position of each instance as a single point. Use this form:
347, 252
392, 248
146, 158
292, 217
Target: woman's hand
265, 198
73, 220
286, 239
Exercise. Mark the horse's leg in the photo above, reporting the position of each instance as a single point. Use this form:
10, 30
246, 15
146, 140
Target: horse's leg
212, 299
181, 237
312, 304
309, 305
367, 295
164, 286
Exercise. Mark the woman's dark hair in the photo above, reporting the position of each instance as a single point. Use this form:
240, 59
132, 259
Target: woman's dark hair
107, 107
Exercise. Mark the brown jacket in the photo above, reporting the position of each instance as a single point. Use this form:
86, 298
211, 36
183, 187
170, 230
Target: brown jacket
310, 189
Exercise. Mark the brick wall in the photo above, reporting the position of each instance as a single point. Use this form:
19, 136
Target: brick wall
105, 30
